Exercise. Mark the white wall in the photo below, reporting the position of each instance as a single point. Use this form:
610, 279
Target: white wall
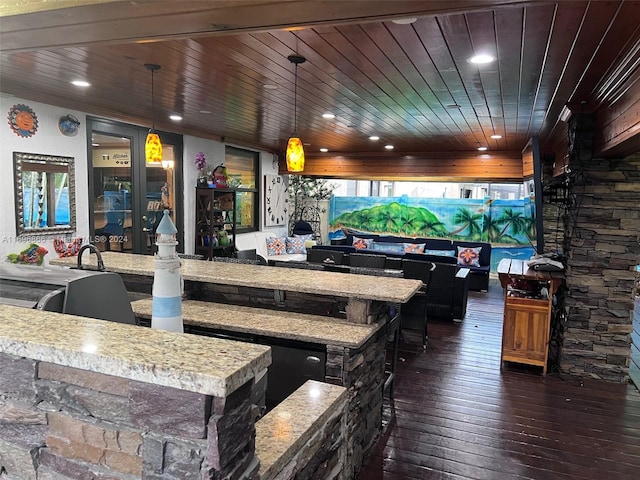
48, 140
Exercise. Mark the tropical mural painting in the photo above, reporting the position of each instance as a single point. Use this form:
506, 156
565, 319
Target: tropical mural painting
503, 223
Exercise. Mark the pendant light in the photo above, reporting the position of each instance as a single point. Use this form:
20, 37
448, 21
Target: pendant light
153, 146
295, 152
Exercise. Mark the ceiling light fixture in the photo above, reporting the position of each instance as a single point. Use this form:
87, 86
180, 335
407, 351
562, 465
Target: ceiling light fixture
328, 115
324, 150
565, 114
389, 147
175, 118
496, 137
482, 58
295, 151
404, 21
482, 149
153, 145
374, 138
80, 83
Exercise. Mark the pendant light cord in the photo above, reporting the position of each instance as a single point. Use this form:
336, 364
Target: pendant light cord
153, 103
152, 67
295, 103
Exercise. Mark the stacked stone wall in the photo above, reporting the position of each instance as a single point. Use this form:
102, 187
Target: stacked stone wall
601, 238
362, 371
60, 422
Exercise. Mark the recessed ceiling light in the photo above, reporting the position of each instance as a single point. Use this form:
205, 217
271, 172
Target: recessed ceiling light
328, 115
404, 21
205, 112
81, 83
268, 86
482, 58
324, 150
374, 138
495, 137
175, 118
482, 149
389, 147
453, 106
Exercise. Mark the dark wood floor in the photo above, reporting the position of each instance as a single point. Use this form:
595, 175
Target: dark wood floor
455, 415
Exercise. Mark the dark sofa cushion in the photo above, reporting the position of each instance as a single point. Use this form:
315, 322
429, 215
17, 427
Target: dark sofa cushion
432, 258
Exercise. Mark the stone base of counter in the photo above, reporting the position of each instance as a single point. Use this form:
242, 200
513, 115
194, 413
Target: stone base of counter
64, 422
360, 368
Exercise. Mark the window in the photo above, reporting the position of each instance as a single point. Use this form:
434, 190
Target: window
242, 169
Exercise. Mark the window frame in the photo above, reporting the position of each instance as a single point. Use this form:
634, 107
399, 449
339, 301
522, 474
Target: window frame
255, 156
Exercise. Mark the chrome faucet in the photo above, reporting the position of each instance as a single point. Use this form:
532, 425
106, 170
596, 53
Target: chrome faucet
93, 249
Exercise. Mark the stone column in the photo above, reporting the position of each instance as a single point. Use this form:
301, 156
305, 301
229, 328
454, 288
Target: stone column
601, 235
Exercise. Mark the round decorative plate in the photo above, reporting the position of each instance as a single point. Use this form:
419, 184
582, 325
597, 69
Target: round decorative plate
22, 120
68, 125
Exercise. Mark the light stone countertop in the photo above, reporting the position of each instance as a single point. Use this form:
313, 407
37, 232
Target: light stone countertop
188, 362
364, 287
282, 432
272, 323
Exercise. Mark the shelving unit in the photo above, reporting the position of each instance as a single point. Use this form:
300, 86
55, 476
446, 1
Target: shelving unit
528, 305
215, 220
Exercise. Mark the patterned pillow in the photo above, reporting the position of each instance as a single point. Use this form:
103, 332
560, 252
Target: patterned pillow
296, 245
362, 243
442, 253
389, 247
276, 246
414, 247
469, 256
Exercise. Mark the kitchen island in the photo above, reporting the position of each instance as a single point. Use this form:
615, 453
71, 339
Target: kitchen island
300, 297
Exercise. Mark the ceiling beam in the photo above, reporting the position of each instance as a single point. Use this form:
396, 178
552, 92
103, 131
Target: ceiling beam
432, 166
104, 21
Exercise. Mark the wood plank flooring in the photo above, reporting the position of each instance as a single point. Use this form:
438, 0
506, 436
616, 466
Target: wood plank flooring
456, 415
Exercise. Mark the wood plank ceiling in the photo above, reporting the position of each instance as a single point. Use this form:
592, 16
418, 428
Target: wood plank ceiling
225, 68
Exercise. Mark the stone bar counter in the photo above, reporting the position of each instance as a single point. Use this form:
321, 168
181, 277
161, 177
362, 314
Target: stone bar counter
84, 398
296, 290
293, 304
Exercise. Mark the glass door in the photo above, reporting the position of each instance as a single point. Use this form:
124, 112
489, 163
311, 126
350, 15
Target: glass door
128, 195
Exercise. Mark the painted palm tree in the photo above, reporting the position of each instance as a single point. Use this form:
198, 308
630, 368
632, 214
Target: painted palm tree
490, 228
387, 218
468, 221
512, 220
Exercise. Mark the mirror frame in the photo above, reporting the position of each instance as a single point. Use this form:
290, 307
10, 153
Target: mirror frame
18, 159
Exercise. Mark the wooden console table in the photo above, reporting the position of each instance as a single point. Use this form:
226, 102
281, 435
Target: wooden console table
527, 312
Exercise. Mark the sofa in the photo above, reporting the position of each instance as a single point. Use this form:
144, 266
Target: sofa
272, 246
476, 256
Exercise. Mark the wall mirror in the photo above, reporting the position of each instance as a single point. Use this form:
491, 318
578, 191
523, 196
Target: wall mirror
45, 193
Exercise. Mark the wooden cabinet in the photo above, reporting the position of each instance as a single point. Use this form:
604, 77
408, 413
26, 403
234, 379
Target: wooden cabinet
528, 304
215, 222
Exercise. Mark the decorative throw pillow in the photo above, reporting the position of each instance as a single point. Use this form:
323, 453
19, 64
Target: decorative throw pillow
388, 247
362, 243
442, 253
414, 247
276, 246
469, 256
296, 245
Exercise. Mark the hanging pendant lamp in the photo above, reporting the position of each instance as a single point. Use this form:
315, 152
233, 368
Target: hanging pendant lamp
295, 152
153, 146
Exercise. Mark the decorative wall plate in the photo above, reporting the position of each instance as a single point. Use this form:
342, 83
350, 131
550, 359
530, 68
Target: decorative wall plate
68, 125
22, 120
